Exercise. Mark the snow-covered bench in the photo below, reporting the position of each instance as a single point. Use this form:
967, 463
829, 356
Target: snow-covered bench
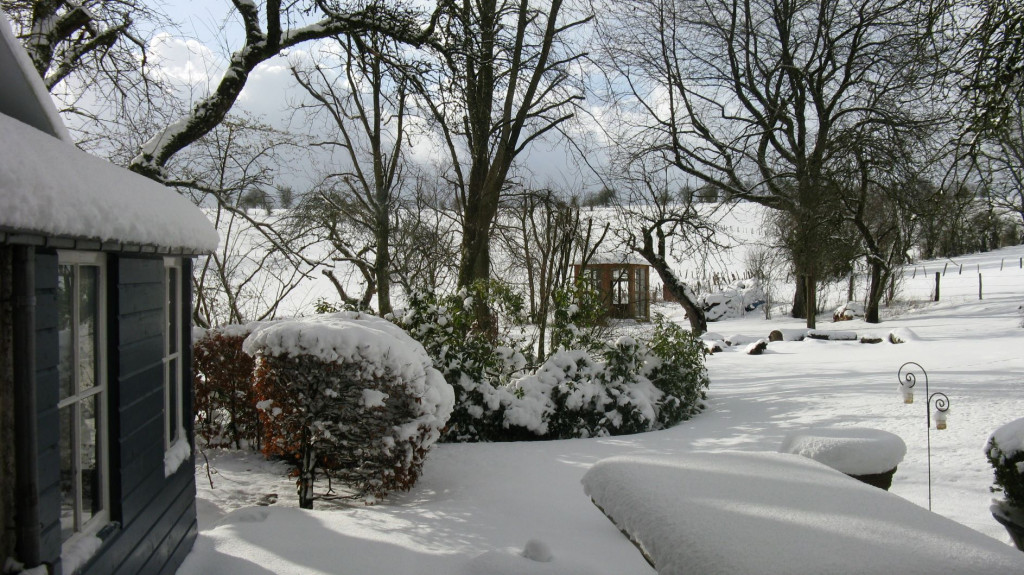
735, 512
869, 455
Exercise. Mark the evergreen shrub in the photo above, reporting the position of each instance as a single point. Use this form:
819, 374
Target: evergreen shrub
1004, 453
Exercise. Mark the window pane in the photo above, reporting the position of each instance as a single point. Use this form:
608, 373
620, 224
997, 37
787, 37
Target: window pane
172, 400
65, 319
88, 312
172, 309
67, 474
92, 500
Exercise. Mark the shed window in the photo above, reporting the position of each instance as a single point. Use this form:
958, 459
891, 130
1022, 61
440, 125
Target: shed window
173, 412
81, 294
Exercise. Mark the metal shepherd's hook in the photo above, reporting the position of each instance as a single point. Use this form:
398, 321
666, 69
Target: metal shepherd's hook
940, 401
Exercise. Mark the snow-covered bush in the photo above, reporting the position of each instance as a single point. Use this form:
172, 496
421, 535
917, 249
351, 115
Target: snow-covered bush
225, 403
598, 389
1005, 451
574, 394
350, 394
676, 367
579, 317
477, 365
733, 301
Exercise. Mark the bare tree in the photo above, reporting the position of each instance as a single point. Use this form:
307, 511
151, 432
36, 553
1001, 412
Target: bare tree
653, 221
368, 116
271, 28
503, 78
756, 106
547, 235
995, 62
1001, 162
258, 262
426, 238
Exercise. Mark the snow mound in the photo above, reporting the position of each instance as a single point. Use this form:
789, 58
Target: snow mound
733, 301
537, 550
1010, 438
734, 512
831, 335
902, 335
851, 450
848, 311
739, 339
504, 563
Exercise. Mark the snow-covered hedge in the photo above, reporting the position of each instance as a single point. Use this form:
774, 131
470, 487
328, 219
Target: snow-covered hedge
610, 389
225, 404
1005, 451
350, 394
732, 301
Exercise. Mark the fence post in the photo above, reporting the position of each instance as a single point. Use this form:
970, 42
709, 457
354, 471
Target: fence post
1001, 261
961, 272
915, 273
979, 285
946, 265
936, 286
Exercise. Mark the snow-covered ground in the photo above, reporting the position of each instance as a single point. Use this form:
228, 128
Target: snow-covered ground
477, 506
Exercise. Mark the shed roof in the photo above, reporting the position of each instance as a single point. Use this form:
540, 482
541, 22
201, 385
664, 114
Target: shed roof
49, 187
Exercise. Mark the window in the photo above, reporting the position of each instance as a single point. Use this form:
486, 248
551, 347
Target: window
641, 293
173, 424
620, 286
81, 295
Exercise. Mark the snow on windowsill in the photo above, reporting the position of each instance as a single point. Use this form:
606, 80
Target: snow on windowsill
77, 552
178, 453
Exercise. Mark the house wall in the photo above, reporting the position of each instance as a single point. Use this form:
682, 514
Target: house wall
8, 470
155, 515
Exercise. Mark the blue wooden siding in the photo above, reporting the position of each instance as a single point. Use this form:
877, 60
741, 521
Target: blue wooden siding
47, 395
155, 515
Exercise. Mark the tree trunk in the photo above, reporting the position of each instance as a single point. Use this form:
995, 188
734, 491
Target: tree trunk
799, 298
811, 292
679, 290
307, 472
875, 293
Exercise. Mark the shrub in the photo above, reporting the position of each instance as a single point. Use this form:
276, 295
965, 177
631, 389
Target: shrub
1005, 452
597, 389
351, 395
676, 367
477, 365
225, 403
579, 317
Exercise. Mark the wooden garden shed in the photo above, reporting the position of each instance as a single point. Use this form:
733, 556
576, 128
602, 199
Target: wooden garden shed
624, 284
96, 461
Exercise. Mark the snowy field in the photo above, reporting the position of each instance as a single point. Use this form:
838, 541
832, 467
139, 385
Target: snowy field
477, 506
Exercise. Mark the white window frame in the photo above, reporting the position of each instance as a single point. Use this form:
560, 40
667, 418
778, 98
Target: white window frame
100, 388
172, 361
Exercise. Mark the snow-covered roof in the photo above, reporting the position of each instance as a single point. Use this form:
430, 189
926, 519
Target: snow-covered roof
49, 187
24, 96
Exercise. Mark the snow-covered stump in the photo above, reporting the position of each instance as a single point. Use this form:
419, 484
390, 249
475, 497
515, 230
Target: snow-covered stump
349, 394
1005, 451
868, 455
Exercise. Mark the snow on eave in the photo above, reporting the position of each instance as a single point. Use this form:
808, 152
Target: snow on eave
24, 96
49, 187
